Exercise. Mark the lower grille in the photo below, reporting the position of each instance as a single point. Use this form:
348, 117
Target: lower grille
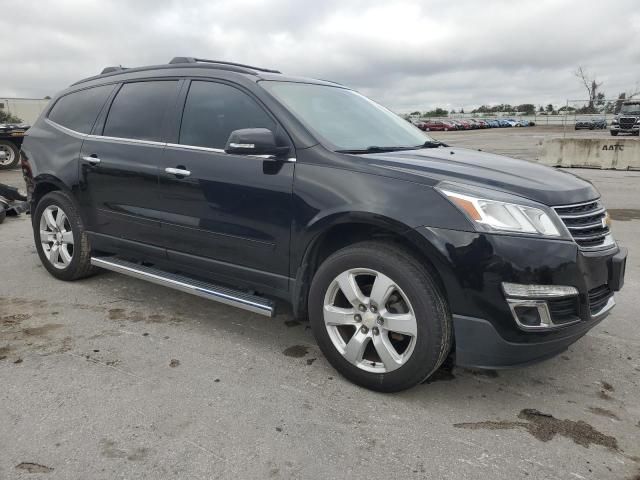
598, 298
563, 310
586, 222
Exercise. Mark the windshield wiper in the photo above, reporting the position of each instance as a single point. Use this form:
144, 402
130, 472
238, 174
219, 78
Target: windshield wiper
375, 149
432, 144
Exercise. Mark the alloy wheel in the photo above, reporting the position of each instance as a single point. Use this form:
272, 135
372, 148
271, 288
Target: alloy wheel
370, 320
56, 236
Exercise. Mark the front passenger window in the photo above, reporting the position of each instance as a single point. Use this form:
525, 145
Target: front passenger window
214, 110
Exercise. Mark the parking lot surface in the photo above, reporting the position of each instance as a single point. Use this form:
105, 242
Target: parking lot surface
522, 142
112, 377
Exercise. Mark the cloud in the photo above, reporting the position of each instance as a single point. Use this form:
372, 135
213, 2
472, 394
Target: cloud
407, 54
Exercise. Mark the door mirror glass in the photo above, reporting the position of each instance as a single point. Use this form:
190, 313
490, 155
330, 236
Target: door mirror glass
252, 141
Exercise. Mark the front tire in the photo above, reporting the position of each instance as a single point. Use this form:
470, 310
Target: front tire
61, 240
12, 155
379, 317
614, 134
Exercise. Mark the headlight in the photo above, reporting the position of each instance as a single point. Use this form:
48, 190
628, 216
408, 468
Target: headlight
493, 215
614, 121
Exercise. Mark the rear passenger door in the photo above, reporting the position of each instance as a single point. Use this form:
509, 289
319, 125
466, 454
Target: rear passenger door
120, 161
233, 210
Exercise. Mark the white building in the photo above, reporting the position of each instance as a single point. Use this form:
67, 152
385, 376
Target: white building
26, 109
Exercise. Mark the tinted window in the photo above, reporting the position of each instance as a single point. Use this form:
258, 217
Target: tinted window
139, 109
213, 110
78, 111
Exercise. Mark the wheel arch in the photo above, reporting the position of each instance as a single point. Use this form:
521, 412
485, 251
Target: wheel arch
340, 231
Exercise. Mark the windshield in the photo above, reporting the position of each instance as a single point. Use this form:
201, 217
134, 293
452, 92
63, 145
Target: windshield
344, 119
630, 109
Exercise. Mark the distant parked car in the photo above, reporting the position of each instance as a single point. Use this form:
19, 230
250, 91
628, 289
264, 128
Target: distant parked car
504, 123
600, 123
493, 123
585, 125
437, 126
466, 125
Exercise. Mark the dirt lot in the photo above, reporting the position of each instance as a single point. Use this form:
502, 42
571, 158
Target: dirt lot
112, 377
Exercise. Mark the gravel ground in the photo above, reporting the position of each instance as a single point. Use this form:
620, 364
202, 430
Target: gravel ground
112, 377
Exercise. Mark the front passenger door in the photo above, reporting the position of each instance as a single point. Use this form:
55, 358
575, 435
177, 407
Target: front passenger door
232, 214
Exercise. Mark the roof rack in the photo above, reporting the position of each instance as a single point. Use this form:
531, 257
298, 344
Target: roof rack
176, 60
112, 69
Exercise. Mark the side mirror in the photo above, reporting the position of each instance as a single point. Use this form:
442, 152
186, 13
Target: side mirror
252, 141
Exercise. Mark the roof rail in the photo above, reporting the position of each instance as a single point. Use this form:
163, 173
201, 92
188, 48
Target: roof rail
111, 70
175, 60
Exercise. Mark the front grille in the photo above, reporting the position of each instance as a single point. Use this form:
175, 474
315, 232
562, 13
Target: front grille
563, 310
586, 222
627, 122
598, 298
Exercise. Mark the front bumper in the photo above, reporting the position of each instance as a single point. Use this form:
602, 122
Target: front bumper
473, 267
617, 128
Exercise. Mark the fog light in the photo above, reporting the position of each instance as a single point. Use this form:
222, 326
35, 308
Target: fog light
528, 316
520, 290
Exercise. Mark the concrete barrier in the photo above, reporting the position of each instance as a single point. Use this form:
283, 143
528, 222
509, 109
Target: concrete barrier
615, 153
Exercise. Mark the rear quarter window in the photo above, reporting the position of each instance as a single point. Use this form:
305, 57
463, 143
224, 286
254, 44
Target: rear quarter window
78, 110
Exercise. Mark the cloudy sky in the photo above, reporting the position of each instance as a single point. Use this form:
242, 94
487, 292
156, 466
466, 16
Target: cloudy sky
412, 54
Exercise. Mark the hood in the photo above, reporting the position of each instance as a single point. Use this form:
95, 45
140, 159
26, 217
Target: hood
536, 182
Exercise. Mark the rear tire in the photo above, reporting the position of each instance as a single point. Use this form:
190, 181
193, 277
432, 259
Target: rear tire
13, 155
420, 309
61, 240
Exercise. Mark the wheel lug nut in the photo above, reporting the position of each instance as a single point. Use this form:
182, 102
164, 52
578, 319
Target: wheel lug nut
357, 317
362, 308
364, 329
375, 330
374, 309
380, 321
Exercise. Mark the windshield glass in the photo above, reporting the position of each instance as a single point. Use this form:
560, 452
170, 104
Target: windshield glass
344, 119
630, 109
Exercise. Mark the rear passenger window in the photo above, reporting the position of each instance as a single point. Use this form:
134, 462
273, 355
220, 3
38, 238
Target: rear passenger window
79, 110
139, 110
213, 110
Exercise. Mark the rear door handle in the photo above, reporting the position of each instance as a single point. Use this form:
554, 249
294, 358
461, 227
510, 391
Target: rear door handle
178, 172
93, 160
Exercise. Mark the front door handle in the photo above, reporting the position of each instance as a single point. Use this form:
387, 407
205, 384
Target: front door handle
178, 172
92, 159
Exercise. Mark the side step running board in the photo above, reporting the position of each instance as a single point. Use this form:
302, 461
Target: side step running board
217, 293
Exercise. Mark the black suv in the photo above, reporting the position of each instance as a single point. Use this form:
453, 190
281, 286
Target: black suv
246, 186
628, 120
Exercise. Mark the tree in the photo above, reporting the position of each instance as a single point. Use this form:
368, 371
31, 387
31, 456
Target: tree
462, 110
590, 84
541, 109
438, 112
526, 108
6, 117
550, 108
415, 114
